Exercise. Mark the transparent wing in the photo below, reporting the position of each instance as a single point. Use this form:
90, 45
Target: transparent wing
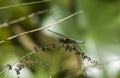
57, 33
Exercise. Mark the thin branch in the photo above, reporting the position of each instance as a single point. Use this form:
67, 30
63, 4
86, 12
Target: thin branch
23, 4
6, 24
42, 28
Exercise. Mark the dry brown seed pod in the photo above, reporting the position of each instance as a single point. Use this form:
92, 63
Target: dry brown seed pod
84, 57
66, 48
9, 66
77, 53
74, 48
53, 45
17, 71
20, 66
70, 49
89, 59
36, 49
42, 48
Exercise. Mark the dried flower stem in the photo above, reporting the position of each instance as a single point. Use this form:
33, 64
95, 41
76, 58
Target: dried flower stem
17, 61
38, 29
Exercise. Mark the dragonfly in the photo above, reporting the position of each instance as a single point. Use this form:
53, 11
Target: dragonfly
66, 40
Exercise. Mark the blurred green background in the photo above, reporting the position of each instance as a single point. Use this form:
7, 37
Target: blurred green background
98, 25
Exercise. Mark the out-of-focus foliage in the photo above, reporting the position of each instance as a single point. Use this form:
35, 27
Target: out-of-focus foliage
98, 25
